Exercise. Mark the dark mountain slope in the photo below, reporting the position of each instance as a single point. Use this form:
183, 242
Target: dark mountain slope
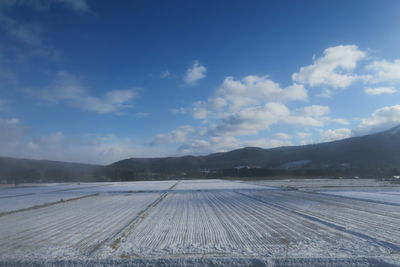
373, 154
380, 150
14, 170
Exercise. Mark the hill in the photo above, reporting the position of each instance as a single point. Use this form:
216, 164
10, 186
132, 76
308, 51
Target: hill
371, 155
14, 170
377, 152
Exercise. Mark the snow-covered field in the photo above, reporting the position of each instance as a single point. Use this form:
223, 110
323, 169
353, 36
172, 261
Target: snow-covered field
374, 196
199, 222
324, 183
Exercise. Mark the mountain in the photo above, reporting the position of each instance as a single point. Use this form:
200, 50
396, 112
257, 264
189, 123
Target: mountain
374, 151
14, 170
370, 156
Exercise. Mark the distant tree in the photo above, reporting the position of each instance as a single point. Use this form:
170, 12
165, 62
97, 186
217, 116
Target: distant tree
395, 172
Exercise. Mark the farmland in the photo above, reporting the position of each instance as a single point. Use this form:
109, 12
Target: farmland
202, 221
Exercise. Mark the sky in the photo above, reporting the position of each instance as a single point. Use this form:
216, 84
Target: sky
97, 81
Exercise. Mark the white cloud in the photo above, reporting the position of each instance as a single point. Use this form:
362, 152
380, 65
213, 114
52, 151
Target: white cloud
315, 111
68, 88
380, 90
381, 119
303, 135
254, 90
337, 134
195, 73
341, 121
385, 71
178, 135
250, 120
282, 136
200, 110
314, 115
333, 69
249, 92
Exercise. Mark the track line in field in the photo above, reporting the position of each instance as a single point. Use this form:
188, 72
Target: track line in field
46, 204
354, 198
114, 240
383, 243
27, 194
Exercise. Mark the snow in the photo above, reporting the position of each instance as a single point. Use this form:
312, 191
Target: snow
323, 183
381, 196
28, 201
68, 229
228, 223
200, 222
215, 184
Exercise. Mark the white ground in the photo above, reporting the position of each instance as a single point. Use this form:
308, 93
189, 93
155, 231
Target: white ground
381, 196
226, 222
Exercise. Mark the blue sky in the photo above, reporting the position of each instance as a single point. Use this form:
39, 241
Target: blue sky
99, 81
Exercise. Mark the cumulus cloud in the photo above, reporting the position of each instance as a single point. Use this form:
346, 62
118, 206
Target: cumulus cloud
381, 119
314, 115
379, 90
336, 134
68, 88
385, 71
333, 69
195, 73
250, 120
251, 91
254, 90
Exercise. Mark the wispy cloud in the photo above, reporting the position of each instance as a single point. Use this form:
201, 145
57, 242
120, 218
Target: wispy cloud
385, 71
68, 88
80, 6
16, 141
141, 115
3, 104
379, 90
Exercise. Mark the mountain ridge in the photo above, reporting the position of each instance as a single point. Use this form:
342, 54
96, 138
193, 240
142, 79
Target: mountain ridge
372, 154
377, 150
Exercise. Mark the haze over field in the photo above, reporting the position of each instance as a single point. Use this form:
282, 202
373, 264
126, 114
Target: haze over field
97, 82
